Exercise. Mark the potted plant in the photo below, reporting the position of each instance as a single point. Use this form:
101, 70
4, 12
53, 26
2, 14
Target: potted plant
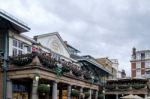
43, 89
75, 93
87, 94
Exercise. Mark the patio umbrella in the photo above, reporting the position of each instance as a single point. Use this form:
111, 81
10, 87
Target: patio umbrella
131, 97
147, 97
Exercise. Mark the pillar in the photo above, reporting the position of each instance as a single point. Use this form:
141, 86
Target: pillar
96, 94
54, 93
34, 89
90, 91
69, 92
116, 96
145, 96
81, 91
9, 89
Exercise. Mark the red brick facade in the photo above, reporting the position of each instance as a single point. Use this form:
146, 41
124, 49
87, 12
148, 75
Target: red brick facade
142, 68
133, 69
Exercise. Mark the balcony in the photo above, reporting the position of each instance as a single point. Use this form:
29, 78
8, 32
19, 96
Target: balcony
60, 67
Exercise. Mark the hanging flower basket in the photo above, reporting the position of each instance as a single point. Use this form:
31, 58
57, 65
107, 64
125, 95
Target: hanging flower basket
75, 93
87, 94
43, 89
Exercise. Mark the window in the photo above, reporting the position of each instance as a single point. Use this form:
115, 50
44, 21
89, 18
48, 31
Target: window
17, 47
138, 73
138, 65
138, 56
29, 49
147, 55
147, 64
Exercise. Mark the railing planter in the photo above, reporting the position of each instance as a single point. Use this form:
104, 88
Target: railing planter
110, 87
123, 86
138, 86
43, 89
77, 73
22, 60
87, 76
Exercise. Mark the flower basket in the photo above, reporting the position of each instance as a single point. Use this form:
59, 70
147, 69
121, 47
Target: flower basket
87, 94
75, 93
43, 89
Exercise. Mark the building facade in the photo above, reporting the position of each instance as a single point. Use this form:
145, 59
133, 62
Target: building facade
111, 66
42, 68
140, 63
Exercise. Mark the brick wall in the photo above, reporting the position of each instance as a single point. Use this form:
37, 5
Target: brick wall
142, 68
133, 69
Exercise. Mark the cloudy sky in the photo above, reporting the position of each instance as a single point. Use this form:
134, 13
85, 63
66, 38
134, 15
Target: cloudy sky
101, 28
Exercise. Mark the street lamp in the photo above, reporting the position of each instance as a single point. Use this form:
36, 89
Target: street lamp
37, 77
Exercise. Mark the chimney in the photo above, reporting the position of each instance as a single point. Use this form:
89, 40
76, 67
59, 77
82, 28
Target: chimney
134, 53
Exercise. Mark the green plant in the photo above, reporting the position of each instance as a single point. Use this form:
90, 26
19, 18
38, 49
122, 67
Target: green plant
138, 86
75, 93
43, 88
100, 96
123, 86
87, 94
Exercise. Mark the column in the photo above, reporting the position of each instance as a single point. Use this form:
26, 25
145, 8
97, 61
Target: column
9, 89
96, 94
116, 96
54, 93
145, 96
90, 91
34, 89
81, 91
69, 92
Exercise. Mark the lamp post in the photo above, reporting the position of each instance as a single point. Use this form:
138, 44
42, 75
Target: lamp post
4, 57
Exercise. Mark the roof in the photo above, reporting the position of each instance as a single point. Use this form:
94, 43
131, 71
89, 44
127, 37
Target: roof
16, 23
54, 33
95, 63
141, 51
72, 47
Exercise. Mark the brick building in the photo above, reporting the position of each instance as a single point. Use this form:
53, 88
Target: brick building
140, 63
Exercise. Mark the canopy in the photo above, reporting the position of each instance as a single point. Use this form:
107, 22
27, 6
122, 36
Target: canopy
131, 97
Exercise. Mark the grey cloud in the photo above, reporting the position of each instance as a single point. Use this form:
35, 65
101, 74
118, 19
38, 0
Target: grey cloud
97, 27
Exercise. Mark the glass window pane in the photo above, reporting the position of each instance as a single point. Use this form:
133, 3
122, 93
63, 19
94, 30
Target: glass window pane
15, 43
14, 51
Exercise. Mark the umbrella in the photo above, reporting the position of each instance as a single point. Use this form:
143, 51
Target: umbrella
147, 97
131, 97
